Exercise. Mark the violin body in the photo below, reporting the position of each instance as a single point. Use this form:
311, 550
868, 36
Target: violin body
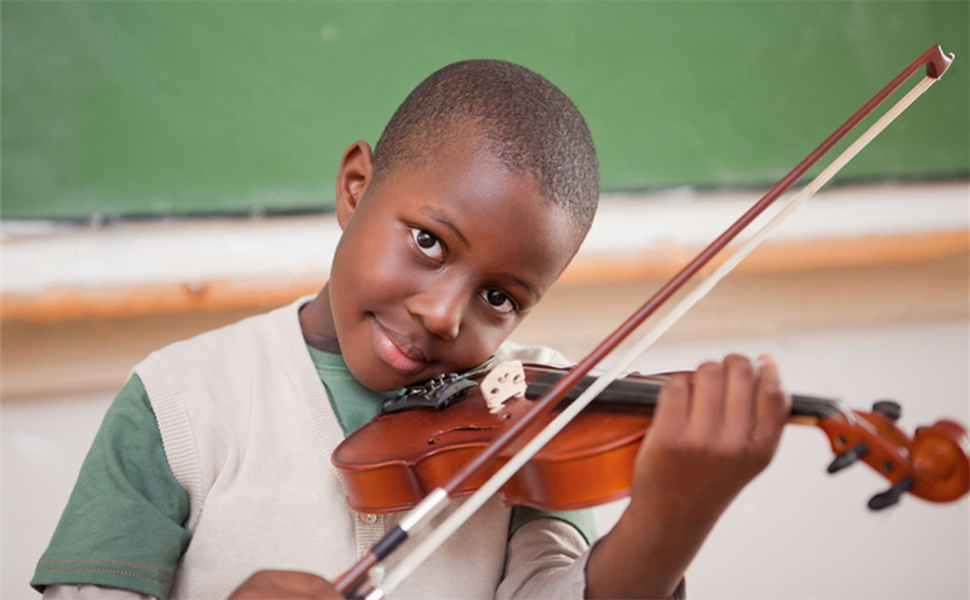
395, 460
588, 464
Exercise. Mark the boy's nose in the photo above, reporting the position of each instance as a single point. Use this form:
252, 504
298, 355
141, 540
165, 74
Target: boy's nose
440, 312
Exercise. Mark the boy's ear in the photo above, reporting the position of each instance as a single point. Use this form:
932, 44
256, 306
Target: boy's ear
356, 169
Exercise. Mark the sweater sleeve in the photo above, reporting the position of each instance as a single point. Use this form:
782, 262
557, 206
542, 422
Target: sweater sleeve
545, 558
123, 526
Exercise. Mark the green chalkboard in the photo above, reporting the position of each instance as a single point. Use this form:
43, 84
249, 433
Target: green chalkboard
162, 108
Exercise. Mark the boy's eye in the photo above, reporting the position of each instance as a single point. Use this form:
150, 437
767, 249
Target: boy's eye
427, 243
498, 301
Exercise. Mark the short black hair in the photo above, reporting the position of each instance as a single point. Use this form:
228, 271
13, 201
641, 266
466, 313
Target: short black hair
529, 124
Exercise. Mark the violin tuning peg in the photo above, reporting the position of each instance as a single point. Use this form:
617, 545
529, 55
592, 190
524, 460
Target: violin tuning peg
890, 496
888, 408
848, 457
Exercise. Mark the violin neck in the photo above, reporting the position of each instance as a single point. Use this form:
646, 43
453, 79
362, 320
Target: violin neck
640, 394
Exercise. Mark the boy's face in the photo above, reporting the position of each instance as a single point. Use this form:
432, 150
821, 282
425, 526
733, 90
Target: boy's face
438, 264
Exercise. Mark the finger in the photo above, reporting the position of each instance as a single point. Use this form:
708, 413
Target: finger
673, 404
741, 408
307, 584
707, 400
773, 404
292, 585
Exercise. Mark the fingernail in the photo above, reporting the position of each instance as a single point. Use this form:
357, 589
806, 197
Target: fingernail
767, 360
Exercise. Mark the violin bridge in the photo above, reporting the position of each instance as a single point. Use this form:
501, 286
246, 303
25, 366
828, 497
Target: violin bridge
504, 382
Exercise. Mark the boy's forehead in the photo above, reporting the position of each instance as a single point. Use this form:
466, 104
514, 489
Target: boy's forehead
473, 180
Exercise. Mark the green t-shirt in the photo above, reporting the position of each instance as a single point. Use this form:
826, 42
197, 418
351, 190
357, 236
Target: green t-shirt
124, 524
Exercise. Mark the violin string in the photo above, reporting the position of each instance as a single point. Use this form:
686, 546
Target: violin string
439, 535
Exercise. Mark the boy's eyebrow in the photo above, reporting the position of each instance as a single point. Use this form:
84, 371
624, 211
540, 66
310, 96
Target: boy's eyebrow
441, 217
528, 286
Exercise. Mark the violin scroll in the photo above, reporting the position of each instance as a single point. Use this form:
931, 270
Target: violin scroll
940, 455
933, 465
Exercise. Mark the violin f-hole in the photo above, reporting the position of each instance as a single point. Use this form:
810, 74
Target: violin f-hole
437, 437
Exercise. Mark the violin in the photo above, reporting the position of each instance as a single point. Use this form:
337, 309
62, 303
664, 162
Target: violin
424, 436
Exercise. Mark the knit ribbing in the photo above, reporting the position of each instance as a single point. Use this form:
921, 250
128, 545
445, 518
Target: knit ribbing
178, 438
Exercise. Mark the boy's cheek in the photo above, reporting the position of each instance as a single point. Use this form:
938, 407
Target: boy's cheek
363, 281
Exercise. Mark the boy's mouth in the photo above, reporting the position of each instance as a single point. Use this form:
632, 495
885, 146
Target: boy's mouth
397, 352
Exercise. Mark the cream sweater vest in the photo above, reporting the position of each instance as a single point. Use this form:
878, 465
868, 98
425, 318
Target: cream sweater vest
248, 432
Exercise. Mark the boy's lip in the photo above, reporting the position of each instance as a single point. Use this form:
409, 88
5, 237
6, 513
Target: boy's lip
397, 351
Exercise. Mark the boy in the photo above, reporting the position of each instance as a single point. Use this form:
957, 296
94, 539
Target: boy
479, 193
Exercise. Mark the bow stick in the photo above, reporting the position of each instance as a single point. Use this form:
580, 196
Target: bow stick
936, 63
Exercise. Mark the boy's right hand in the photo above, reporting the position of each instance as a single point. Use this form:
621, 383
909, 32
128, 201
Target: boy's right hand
285, 585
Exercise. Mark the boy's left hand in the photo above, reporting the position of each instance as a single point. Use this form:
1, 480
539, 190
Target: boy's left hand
713, 431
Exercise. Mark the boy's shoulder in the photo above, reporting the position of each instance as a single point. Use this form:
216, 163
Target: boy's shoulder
208, 393
220, 369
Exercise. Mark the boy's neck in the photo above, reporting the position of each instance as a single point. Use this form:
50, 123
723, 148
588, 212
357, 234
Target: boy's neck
316, 317
330, 345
